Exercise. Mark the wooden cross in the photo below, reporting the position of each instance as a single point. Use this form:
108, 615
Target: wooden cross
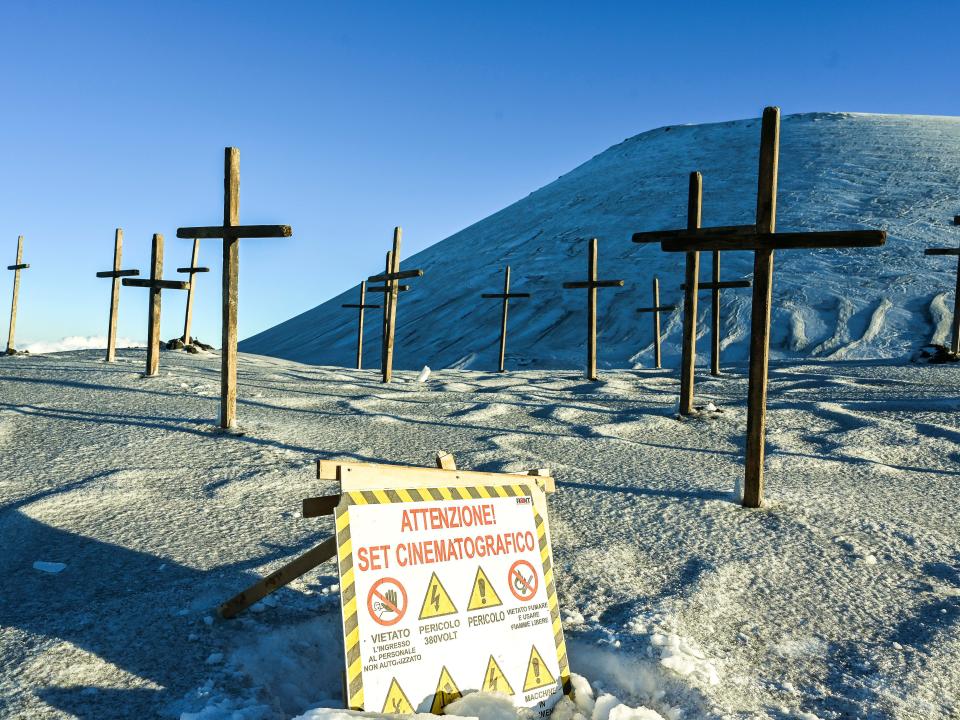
656, 310
192, 271
115, 275
231, 232
16, 267
591, 284
155, 285
762, 239
505, 296
361, 307
955, 339
390, 278
715, 287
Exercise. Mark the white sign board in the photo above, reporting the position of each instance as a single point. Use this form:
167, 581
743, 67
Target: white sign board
447, 591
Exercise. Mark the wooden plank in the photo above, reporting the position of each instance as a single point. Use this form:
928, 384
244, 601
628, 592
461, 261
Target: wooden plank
234, 231
392, 324
153, 313
193, 270
396, 275
726, 284
760, 311
592, 310
715, 314
188, 312
503, 320
657, 309
688, 344
587, 285
663, 235
230, 286
156, 284
361, 307
353, 476
21, 266
656, 322
320, 506
365, 306
115, 294
16, 267
778, 241
956, 219
278, 578
446, 461
117, 273
385, 289
942, 251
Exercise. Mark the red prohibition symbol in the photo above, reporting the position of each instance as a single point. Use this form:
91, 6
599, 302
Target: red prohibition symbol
387, 601
523, 580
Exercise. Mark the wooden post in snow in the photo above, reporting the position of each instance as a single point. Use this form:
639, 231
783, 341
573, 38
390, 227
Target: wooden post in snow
762, 239
505, 296
192, 271
955, 325
656, 309
115, 275
361, 307
590, 285
156, 285
231, 232
16, 267
390, 278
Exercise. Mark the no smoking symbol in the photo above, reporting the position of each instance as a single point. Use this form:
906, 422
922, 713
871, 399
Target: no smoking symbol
523, 580
387, 601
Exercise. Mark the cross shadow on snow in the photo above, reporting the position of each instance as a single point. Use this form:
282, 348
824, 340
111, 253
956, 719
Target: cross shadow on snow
132, 609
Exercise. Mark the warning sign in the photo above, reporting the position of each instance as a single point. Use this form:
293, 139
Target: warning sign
476, 561
436, 603
483, 594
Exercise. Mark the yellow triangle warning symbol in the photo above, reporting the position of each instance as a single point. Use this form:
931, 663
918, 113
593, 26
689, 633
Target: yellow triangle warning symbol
447, 692
436, 602
495, 680
483, 595
538, 675
396, 702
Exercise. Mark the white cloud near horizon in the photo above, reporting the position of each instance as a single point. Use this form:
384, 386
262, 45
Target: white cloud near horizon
76, 342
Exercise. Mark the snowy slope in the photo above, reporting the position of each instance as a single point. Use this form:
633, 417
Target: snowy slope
837, 171
126, 518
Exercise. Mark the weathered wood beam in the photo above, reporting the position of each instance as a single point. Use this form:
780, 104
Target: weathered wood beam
193, 270
399, 275
657, 309
664, 235
234, 232
385, 289
118, 273
320, 506
157, 284
691, 274
361, 307
21, 266
942, 251
690, 242
16, 267
587, 284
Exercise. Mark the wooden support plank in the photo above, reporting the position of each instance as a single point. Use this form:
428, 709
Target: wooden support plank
400, 476
385, 289
760, 311
278, 578
355, 306
659, 236
117, 273
688, 343
587, 285
156, 284
115, 294
446, 461
320, 506
234, 231
193, 270
658, 308
16, 267
396, 275
942, 251
778, 241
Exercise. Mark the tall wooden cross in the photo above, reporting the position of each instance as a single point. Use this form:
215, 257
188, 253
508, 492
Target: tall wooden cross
714, 288
231, 232
361, 307
16, 267
390, 278
155, 284
115, 275
955, 338
192, 271
590, 285
656, 309
505, 296
762, 239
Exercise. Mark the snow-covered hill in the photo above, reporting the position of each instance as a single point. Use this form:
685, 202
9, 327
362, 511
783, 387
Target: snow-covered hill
837, 171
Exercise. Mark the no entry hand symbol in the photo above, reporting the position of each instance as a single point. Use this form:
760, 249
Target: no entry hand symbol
523, 580
387, 601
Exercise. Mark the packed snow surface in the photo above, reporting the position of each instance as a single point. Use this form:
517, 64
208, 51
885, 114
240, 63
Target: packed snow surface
839, 599
838, 171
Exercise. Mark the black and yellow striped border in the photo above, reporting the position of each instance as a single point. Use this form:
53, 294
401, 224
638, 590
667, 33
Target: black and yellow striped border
348, 595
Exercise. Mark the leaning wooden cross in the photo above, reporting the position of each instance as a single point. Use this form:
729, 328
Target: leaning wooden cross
115, 275
422, 552
762, 239
192, 271
590, 285
361, 307
505, 296
16, 267
156, 285
231, 232
955, 327
656, 309
390, 278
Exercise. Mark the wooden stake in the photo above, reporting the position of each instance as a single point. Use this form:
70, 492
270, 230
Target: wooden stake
16, 267
656, 309
506, 295
361, 307
715, 317
688, 350
192, 271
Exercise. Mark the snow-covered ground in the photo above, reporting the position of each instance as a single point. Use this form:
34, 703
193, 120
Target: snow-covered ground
837, 171
125, 518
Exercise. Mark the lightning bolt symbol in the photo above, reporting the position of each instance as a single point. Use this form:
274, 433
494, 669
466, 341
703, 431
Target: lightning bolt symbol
435, 598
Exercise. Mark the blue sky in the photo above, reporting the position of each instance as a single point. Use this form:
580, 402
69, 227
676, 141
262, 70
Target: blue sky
355, 117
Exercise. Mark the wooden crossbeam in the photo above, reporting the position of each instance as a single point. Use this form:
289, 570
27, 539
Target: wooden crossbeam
16, 267
762, 240
115, 275
590, 285
656, 309
385, 289
193, 270
652, 236
231, 232
362, 307
156, 285
934, 251
506, 296
399, 275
